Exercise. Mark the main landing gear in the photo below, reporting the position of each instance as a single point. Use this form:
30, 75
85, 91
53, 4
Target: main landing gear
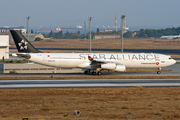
159, 71
92, 72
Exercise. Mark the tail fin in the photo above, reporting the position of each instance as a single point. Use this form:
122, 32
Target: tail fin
22, 44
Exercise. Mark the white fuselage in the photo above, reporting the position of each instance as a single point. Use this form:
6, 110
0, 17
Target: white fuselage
170, 37
75, 60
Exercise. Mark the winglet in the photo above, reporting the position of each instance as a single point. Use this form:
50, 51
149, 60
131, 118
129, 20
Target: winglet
90, 58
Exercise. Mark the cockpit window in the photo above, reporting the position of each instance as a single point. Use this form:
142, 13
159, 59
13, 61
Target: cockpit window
170, 58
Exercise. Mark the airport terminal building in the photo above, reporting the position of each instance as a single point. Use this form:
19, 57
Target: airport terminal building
106, 36
35, 68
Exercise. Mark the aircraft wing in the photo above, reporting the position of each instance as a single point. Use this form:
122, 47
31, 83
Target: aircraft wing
93, 62
99, 62
107, 65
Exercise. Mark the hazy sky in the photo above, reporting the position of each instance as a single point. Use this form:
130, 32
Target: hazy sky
139, 13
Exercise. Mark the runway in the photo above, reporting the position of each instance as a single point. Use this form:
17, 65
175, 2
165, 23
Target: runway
90, 83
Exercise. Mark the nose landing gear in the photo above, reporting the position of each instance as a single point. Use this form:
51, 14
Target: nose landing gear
159, 71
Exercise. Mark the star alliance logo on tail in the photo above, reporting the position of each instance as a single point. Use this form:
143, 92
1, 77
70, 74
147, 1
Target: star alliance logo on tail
23, 45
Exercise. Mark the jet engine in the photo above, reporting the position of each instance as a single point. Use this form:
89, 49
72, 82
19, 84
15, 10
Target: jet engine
113, 66
120, 68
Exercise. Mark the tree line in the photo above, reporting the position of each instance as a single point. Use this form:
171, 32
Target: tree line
142, 33
67, 35
149, 33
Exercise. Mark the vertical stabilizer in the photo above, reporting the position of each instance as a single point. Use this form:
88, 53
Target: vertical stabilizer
22, 44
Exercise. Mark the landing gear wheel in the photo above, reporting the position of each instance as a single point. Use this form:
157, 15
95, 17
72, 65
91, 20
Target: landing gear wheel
94, 73
99, 73
85, 72
158, 72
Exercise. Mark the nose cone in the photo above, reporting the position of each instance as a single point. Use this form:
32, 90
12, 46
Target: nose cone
174, 61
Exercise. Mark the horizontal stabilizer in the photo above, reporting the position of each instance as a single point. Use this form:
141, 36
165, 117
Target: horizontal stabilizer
24, 55
13, 54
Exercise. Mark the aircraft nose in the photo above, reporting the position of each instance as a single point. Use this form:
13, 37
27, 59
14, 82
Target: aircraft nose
174, 61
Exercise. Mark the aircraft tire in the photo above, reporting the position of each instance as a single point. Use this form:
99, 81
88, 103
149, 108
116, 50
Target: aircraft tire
85, 72
94, 73
99, 73
158, 72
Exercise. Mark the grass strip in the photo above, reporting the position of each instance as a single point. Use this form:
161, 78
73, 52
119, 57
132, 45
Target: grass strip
90, 77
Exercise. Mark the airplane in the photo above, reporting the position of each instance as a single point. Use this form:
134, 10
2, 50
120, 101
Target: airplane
91, 63
170, 37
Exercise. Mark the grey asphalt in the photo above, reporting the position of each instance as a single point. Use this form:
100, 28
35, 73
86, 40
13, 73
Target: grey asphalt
90, 83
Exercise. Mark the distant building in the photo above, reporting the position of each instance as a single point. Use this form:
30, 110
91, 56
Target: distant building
4, 46
106, 36
108, 30
32, 36
6, 29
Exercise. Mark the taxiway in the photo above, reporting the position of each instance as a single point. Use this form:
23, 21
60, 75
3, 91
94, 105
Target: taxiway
11, 84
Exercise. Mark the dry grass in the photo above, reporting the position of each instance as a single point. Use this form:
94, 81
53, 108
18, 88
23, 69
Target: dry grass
111, 44
69, 51
89, 77
93, 103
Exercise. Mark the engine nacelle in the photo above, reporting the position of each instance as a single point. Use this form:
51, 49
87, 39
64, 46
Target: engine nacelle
120, 68
113, 66
110, 66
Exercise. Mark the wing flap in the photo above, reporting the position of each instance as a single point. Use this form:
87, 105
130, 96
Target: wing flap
99, 62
